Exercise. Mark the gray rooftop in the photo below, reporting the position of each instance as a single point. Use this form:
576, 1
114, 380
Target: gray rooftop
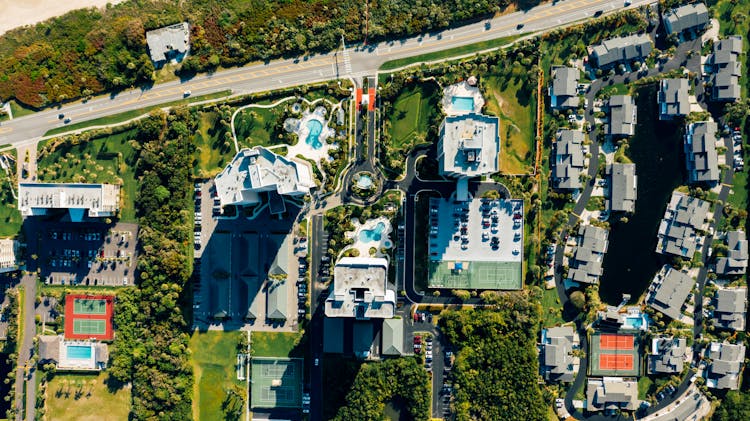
677, 231
611, 393
730, 308
724, 371
360, 289
683, 18
624, 187
393, 337
673, 98
627, 48
735, 263
165, 42
564, 89
569, 159
586, 264
727, 51
622, 115
726, 84
671, 292
667, 355
557, 364
700, 152
469, 145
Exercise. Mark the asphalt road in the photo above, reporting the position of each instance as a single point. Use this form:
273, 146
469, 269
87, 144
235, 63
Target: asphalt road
364, 60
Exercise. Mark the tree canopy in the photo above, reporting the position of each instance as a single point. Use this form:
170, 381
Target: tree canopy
496, 367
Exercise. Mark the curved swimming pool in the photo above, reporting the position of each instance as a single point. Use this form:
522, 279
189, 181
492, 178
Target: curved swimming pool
374, 234
315, 127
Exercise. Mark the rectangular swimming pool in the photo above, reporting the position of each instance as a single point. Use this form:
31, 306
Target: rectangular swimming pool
79, 352
462, 103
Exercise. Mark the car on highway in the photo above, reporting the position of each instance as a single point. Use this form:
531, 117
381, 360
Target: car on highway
67, 120
519, 26
186, 93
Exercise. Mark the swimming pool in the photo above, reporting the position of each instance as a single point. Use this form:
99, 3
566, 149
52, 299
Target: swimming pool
364, 182
462, 103
633, 323
79, 352
315, 127
374, 234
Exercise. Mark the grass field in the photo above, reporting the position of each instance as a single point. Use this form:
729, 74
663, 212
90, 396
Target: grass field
411, 114
738, 198
214, 356
276, 344
86, 398
517, 113
259, 126
451, 52
551, 308
213, 149
119, 118
104, 160
10, 217
19, 110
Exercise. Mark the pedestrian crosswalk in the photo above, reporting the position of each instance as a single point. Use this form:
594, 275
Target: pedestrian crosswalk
347, 62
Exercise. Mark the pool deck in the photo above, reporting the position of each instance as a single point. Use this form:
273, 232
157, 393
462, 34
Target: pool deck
364, 247
301, 147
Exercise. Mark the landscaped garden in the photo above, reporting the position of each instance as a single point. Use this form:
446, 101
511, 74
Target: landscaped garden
408, 121
86, 397
214, 358
106, 159
276, 344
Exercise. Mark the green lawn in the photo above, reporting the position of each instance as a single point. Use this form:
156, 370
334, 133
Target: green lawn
451, 52
738, 198
214, 357
86, 397
259, 126
411, 114
10, 217
276, 344
213, 149
618, 89
644, 385
119, 118
515, 107
19, 110
551, 308
108, 159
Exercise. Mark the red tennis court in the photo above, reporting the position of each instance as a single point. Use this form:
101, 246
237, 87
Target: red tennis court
89, 316
615, 362
617, 342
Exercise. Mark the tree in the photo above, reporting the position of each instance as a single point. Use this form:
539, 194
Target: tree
578, 299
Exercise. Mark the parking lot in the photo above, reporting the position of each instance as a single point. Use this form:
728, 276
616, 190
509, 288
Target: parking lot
90, 254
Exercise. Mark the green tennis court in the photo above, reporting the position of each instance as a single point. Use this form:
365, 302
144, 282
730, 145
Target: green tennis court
475, 275
89, 306
276, 383
89, 327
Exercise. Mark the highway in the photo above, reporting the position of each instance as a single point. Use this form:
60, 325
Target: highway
361, 61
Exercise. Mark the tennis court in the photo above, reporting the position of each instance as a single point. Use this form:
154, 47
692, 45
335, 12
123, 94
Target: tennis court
276, 383
614, 341
89, 327
89, 306
616, 362
475, 275
614, 354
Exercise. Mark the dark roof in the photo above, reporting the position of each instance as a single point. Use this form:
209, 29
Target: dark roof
624, 188
569, 159
672, 292
700, 152
686, 17
622, 115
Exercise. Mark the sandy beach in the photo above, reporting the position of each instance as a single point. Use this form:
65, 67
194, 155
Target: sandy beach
14, 13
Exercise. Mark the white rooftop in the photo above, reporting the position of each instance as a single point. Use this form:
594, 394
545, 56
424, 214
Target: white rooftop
469, 145
257, 170
99, 199
360, 289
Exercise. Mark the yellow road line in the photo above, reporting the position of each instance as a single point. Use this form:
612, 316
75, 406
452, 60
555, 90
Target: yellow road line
6, 129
